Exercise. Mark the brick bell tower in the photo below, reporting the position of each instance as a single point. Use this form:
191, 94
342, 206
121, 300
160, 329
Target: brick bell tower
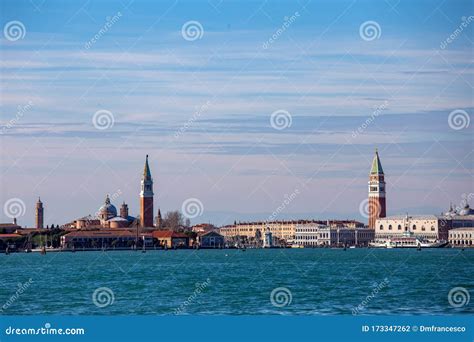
39, 214
377, 206
146, 197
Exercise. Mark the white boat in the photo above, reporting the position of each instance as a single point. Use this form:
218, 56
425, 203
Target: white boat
408, 242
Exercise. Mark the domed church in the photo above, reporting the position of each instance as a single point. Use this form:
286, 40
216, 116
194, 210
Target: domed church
107, 211
108, 217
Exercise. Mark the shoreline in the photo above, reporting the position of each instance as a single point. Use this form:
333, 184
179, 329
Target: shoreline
60, 250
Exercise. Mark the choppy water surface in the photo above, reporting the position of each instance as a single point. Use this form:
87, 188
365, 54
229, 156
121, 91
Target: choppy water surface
303, 281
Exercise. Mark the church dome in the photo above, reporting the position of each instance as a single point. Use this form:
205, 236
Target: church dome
450, 212
108, 210
466, 211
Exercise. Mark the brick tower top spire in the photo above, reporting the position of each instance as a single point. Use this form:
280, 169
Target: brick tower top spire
377, 203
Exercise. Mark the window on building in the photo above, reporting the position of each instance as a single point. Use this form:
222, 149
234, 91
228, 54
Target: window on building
381, 227
389, 227
414, 227
399, 227
432, 228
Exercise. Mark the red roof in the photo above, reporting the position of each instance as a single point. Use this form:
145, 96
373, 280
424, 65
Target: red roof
8, 236
168, 234
101, 233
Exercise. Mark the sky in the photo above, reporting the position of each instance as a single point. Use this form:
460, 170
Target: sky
247, 109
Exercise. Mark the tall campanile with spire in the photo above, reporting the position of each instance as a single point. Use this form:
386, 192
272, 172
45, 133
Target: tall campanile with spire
146, 197
377, 206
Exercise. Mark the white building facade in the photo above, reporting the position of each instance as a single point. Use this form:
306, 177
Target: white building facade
462, 237
339, 237
307, 234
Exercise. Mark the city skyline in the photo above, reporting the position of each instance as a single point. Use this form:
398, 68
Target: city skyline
370, 208
201, 107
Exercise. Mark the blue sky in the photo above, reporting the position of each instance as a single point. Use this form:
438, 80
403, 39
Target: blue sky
202, 108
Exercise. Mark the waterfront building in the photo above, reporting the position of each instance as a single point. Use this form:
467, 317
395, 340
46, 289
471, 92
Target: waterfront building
39, 214
429, 227
377, 203
11, 241
7, 228
281, 230
329, 236
99, 239
461, 237
307, 234
210, 239
146, 197
171, 239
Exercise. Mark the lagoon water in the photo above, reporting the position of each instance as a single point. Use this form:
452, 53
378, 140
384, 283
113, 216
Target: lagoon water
210, 282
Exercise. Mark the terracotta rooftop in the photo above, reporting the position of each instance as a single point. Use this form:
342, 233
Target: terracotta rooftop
8, 236
101, 233
168, 234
